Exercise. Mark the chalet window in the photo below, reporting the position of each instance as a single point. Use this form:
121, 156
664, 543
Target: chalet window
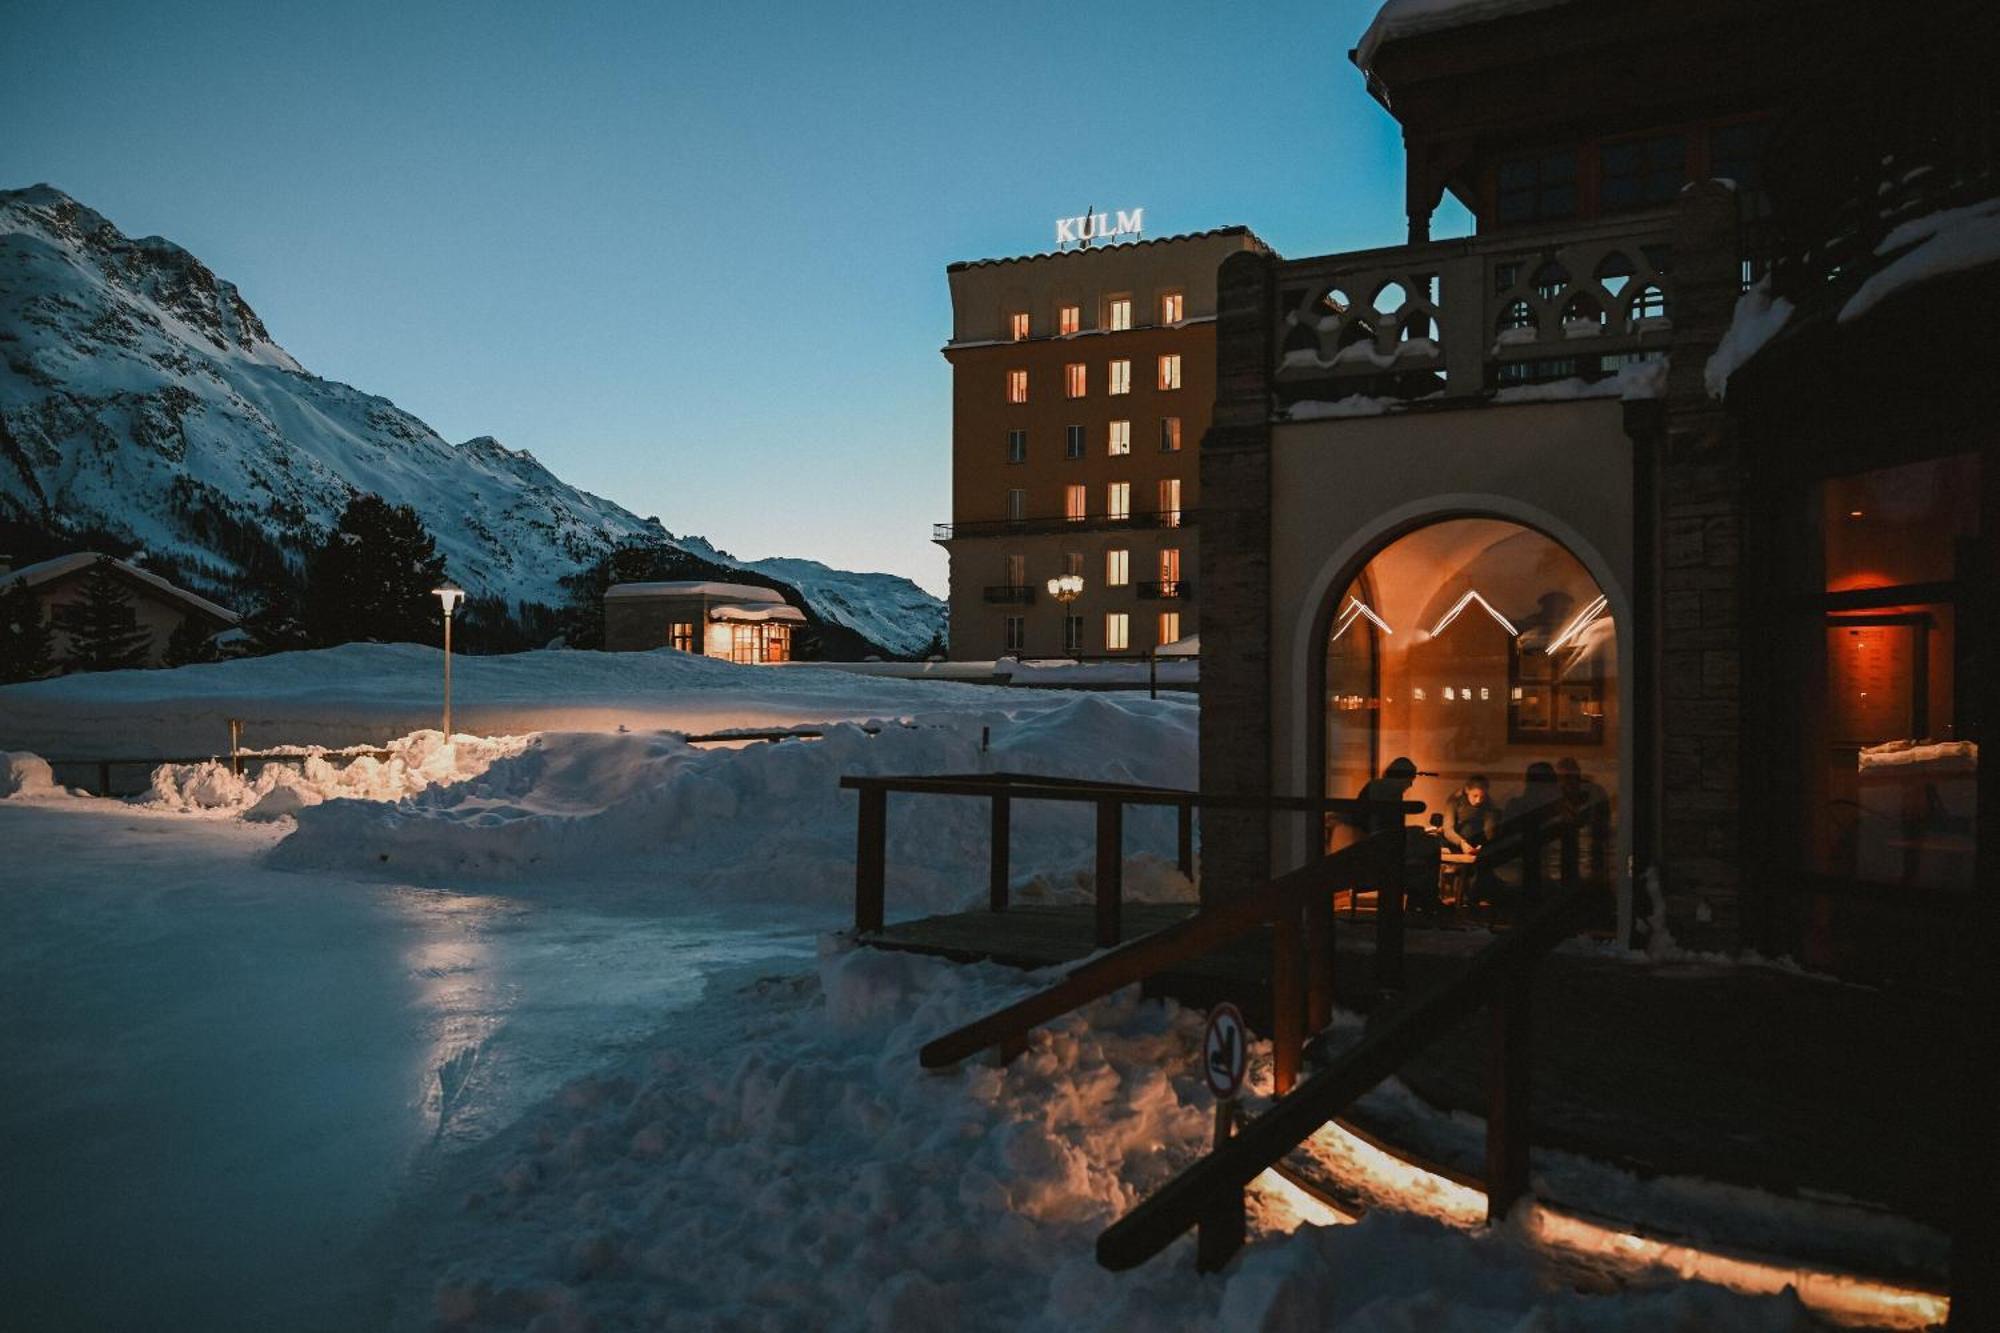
1121, 377
1075, 504
1170, 627
1538, 188
1069, 319
1641, 173
1118, 439
1170, 566
680, 635
1118, 499
1735, 154
1073, 442
1170, 371
1017, 324
1890, 770
1117, 632
1170, 502
1117, 568
1017, 446
1017, 386
1172, 308
1075, 379
1120, 312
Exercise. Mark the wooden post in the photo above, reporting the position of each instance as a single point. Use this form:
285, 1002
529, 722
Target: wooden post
1319, 962
1507, 1104
996, 887
1389, 915
871, 853
1288, 1003
236, 746
1219, 1234
1110, 870
1184, 842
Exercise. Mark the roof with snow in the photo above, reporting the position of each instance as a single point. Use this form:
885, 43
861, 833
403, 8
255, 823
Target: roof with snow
48, 571
1236, 230
1398, 19
735, 592
738, 614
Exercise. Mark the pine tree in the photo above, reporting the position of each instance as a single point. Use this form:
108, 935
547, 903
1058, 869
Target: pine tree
103, 626
372, 579
274, 625
189, 644
24, 635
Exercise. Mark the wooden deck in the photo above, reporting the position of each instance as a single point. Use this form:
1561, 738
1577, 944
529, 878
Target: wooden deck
1748, 1075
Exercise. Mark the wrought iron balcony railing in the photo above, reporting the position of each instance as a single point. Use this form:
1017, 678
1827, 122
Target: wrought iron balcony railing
1163, 590
1013, 594
1027, 527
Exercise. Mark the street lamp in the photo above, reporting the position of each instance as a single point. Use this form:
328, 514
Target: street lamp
1066, 588
450, 594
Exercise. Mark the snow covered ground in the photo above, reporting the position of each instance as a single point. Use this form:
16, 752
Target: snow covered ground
548, 1029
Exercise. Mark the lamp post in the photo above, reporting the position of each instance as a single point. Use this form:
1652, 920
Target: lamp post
448, 593
1066, 588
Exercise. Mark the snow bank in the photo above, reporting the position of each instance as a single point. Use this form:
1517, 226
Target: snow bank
416, 763
26, 776
1950, 241
366, 693
789, 1165
770, 821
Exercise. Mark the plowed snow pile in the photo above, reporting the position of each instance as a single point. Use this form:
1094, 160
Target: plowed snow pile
771, 821
416, 762
787, 1165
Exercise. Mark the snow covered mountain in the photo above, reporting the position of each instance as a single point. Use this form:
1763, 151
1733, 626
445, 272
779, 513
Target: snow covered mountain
141, 396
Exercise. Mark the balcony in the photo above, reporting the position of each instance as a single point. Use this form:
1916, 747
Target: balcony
1163, 590
1453, 319
1028, 527
1011, 594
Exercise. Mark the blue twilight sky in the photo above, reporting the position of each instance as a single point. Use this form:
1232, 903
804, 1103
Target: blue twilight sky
692, 256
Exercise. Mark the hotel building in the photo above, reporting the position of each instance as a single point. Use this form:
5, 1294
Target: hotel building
1082, 383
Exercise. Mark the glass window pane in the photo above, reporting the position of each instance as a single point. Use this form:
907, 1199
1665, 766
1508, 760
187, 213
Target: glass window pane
1899, 525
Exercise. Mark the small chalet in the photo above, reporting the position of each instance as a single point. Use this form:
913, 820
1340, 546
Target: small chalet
737, 622
159, 607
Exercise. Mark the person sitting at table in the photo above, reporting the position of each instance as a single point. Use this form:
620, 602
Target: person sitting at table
1470, 821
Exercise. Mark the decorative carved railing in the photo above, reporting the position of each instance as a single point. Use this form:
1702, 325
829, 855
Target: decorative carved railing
1468, 316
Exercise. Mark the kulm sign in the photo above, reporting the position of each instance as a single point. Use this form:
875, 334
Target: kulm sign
1087, 227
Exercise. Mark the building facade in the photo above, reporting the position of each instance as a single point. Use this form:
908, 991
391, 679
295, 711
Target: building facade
159, 608
1082, 383
1552, 502
735, 622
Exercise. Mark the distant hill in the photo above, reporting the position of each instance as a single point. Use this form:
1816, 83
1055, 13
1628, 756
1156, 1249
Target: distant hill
144, 404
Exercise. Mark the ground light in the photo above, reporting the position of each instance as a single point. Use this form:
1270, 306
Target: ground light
449, 594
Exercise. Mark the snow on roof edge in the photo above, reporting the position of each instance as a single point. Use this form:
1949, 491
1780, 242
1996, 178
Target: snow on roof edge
1234, 229
740, 592
47, 570
1398, 19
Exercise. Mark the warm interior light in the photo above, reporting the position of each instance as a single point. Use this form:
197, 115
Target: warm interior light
1355, 610
1855, 513
1471, 596
1578, 625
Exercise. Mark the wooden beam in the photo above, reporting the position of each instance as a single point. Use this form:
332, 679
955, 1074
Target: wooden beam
1110, 871
1507, 1103
1288, 1002
997, 873
1184, 840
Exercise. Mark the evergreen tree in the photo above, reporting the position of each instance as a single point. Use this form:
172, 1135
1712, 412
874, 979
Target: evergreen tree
273, 624
103, 626
372, 579
190, 643
24, 635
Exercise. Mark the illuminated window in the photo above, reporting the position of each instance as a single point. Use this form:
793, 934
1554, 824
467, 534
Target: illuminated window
1069, 319
1017, 505
1120, 314
1170, 502
1170, 567
680, 635
1170, 371
1017, 634
1118, 499
1074, 503
1119, 437
1117, 568
1170, 435
1073, 442
1117, 632
1075, 379
1121, 377
1170, 627
1171, 308
1017, 386
1017, 323
1017, 446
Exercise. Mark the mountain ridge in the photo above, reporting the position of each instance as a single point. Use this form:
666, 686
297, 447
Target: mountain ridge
142, 396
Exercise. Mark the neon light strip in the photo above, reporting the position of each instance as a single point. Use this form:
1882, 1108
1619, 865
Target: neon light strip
1471, 596
1577, 626
1356, 608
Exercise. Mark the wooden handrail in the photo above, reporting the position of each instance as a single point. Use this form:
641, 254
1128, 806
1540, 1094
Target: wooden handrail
1025, 787
1129, 963
1183, 1201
